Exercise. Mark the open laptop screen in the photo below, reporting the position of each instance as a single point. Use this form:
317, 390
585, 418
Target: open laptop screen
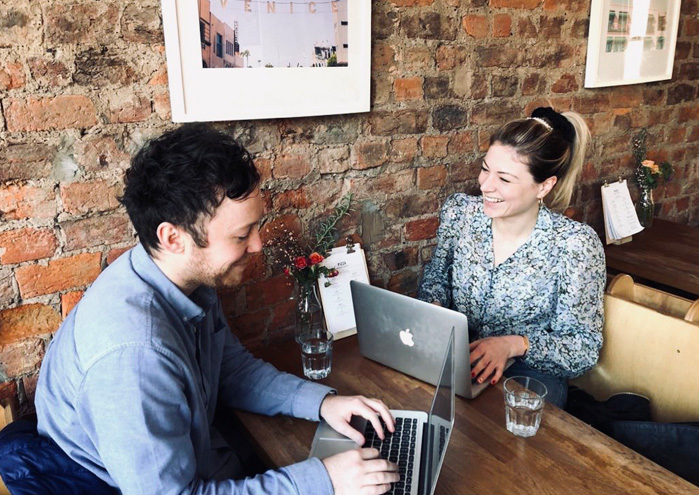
440, 420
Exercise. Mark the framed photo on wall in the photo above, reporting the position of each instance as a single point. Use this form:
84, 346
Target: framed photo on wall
262, 59
631, 41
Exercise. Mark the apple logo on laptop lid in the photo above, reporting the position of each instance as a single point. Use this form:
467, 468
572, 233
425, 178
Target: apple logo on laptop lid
406, 337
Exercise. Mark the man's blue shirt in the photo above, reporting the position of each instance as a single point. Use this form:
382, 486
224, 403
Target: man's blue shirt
129, 386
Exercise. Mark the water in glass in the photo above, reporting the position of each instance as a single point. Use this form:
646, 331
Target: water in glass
316, 355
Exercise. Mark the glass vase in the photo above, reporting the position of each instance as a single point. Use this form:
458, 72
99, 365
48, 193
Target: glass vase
309, 310
645, 208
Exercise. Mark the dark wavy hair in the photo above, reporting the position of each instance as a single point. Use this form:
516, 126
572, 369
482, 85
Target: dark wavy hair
181, 177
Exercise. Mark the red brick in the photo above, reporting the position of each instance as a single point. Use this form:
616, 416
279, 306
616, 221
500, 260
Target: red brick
464, 172
383, 55
398, 122
69, 300
333, 160
526, 28
324, 192
450, 57
26, 244
403, 282
514, 4
159, 78
368, 187
418, 60
565, 84
502, 26
370, 154
27, 321
132, 108
461, 142
412, 3
87, 22
26, 161
398, 260
141, 24
21, 201
295, 198
49, 72
408, 89
687, 114
567, 5
8, 294
60, 274
691, 26
22, 24
403, 150
592, 104
97, 231
434, 146
21, 358
90, 197
61, 112
113, 254
432, 177
161, 105
475, 25
291, 166
96, 153
11, 76
421, 229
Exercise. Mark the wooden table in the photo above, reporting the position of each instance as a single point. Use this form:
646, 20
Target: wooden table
565, 457
667, 253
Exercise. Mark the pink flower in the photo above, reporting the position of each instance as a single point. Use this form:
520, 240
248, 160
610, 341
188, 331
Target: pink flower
651, 165
300, 262
287, 271
315, 258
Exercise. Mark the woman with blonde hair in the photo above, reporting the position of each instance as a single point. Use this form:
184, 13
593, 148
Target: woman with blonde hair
530, 280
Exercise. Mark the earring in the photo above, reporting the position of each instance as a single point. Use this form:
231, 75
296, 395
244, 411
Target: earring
541, 201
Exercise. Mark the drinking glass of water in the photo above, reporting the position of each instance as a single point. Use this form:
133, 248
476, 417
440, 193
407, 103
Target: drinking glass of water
524, 405
316, 353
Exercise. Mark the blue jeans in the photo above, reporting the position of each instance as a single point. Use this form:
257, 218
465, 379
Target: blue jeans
557, 387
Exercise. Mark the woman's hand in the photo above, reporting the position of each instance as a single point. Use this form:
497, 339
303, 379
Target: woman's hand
490, 355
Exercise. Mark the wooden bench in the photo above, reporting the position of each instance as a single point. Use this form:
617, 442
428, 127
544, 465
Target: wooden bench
651, 347
623, 286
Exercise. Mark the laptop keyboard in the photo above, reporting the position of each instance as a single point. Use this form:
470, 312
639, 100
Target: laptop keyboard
397, 447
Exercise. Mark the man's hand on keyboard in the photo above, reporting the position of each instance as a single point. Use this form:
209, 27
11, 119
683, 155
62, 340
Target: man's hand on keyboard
337, 411
360, 472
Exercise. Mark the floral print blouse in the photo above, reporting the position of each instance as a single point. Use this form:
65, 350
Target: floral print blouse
551, 289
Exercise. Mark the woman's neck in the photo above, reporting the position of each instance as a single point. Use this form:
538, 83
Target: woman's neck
511, 232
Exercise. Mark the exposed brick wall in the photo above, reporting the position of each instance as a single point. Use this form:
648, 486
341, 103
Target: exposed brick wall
84, 83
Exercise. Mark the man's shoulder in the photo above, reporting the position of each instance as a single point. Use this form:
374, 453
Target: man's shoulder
120, 309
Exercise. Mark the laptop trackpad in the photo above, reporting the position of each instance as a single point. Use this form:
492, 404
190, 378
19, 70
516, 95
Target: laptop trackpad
328, 442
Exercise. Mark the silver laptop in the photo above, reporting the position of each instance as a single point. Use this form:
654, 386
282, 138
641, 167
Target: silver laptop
419, 443
405, 334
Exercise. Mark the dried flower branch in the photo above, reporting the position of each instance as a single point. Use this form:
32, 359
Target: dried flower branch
302, 259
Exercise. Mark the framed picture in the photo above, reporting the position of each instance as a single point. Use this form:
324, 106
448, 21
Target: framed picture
631, 41
261, 59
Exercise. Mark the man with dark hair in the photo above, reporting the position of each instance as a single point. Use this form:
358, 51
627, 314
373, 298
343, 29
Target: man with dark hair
130, 385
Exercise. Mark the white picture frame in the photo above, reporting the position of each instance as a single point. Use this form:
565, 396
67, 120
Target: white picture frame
631, 41
256, 91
